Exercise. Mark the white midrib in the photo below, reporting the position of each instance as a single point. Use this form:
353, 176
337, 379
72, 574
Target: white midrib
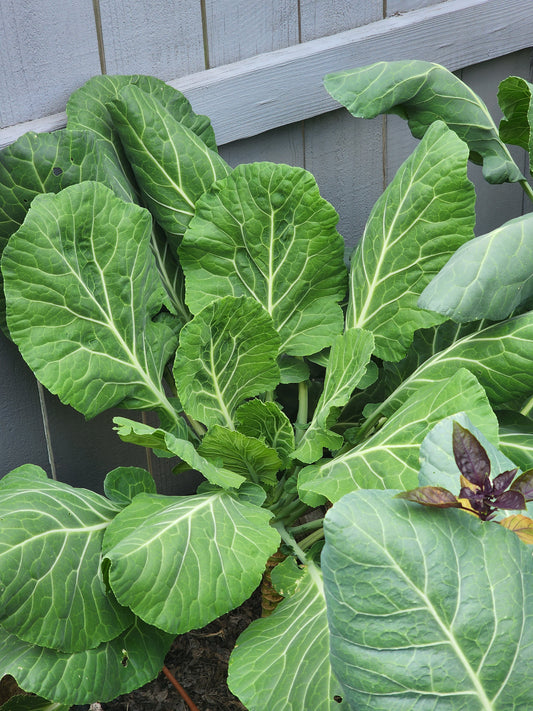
218, 392
484, 699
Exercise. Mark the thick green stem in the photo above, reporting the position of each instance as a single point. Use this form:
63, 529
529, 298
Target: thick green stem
290, 541
312, 538
526, 187
306, 527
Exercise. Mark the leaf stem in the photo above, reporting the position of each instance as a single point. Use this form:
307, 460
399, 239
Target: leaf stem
527, 407
527, 189
303, 405
305, 527
290, 541
308, 541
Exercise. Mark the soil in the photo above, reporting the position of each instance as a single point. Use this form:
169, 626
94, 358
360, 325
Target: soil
199, 662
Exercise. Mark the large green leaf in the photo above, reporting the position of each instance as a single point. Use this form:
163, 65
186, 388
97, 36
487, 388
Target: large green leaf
180, 562
427, 609
423, 92
82, 292
282, 662
499, 355
248, 456
488, 277
347, 364
264, 231
389, 458
227, 353
172, 166
514, 97
41, 163
166, 444
424, 215
516, 438
267, 422
52, 592
127, 662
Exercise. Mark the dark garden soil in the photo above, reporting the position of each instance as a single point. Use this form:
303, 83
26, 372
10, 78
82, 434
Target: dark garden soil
199, 662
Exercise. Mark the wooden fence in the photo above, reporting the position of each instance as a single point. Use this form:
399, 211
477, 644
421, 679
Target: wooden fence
256, 69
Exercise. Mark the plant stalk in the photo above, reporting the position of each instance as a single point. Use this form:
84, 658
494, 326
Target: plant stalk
526, 187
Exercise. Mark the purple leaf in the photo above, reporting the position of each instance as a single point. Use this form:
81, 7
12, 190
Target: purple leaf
470, 456
524, 484
431, 496
513, 500
502, 481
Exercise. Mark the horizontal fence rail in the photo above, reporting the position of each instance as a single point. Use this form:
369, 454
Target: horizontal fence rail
281, 87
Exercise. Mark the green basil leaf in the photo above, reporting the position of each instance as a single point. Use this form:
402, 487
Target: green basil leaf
423, 92
198, 556
82, 292
52, 592
419, 607
389, 458
488, 277
350, 354
227, 353
282, 661
127, 662
410, 234
265, 232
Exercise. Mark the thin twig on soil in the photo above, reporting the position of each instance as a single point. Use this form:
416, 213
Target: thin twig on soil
184, 695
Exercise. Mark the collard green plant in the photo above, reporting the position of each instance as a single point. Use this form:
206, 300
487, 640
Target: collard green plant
141, 271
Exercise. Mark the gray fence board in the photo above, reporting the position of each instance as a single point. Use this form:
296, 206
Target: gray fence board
395, 6
152, 37
22, 438
244, 28
285, 86
42, 60
320, 19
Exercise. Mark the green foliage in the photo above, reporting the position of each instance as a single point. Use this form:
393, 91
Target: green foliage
140, 271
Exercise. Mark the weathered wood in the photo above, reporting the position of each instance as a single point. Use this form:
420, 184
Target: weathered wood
46, 51
338, 146
395, 6
281, 145
22, 437
285, 86
152, 37
320, 19
244, 28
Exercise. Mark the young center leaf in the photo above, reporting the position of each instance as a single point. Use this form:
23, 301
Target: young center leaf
389, 458
426, 608
52, 592
267, 422
180, 562
423, 92
82, 292
227, 353
119, 666
348, 360
487, 277
282, 661
265, 232
424, 215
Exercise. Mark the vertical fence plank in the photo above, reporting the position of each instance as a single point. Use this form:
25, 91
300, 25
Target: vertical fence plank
396, 6
343, 153
152, 37
46, 51
22, 437
237, 29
